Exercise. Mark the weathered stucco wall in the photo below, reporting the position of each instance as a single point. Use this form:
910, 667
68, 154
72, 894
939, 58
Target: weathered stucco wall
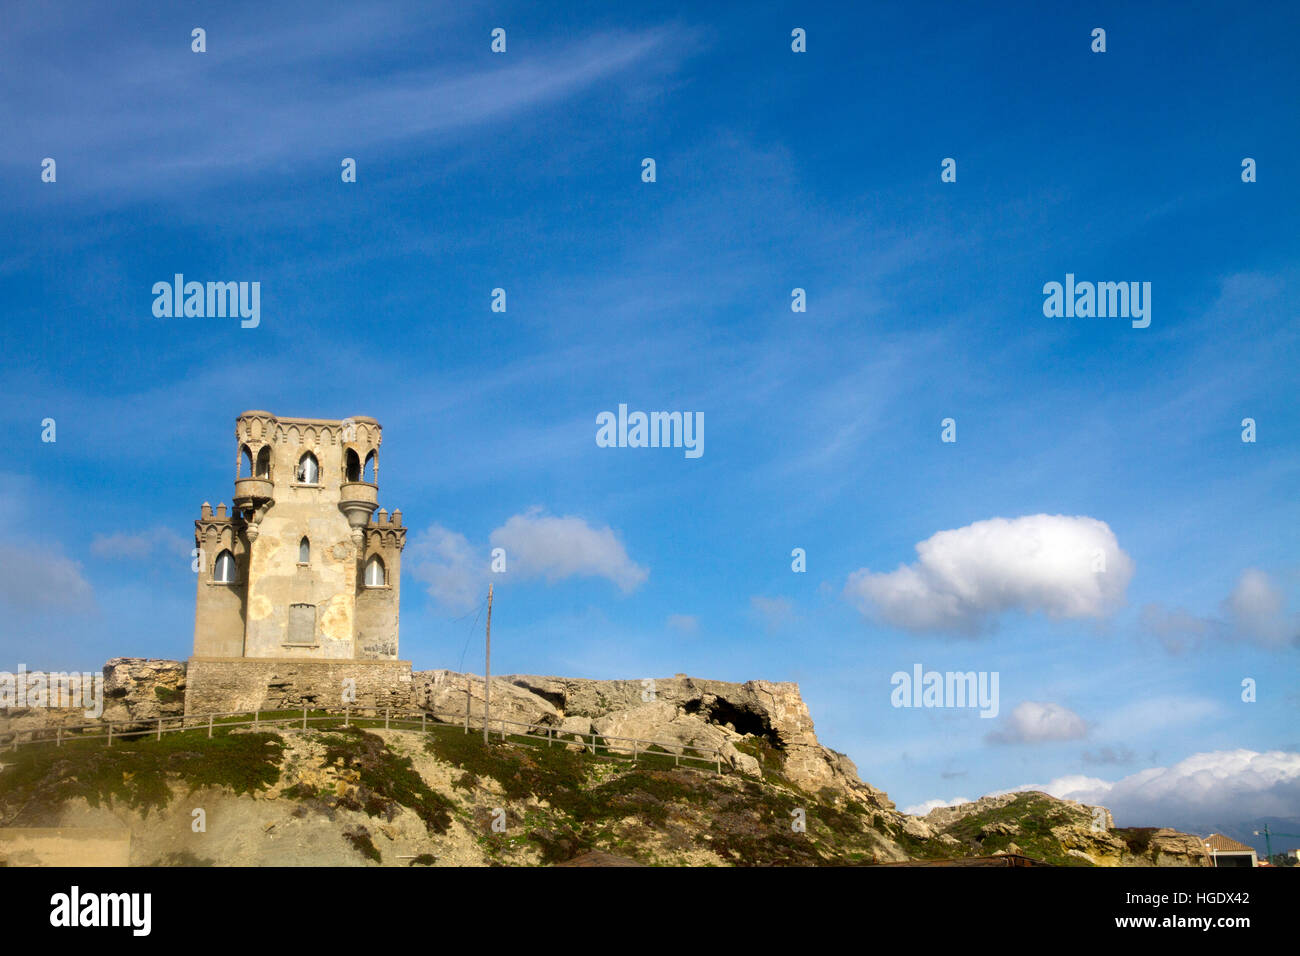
328, 582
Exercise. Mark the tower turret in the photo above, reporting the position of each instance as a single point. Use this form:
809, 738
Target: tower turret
292, 573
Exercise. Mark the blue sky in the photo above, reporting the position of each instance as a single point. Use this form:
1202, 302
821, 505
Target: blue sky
775, 170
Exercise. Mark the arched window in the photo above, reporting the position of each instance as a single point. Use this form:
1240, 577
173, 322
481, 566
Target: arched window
375, 577
245, 462
352, 469
304, 551
223, 572
308, 469
372, 467
263, 463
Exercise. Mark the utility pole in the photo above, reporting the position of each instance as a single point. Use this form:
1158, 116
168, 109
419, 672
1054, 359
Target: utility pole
487, 668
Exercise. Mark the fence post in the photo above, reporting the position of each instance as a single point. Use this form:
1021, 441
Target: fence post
347, 714
160, 728
209, 726
634, 743
58, 742
304, 716
466, 706
387, 711
110, 733
549, 734
718, 756
421, 721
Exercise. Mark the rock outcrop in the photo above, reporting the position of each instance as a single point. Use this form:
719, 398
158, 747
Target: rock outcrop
1059, 831
738, 721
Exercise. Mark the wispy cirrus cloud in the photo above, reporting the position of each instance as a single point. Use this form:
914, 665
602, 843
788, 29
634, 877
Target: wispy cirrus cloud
263, 93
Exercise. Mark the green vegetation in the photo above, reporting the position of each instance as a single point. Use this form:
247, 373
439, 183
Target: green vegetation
166, 695
617, 806
1138, 840
359, 837
1029, 818
771, 759
387, 781
183, 858
136, 771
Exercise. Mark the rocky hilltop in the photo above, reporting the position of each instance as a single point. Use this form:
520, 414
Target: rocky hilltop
334, 795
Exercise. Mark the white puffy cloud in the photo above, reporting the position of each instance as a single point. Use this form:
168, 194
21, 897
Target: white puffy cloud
963, 579
542, 545
536, 545
1254, 612
1040, 721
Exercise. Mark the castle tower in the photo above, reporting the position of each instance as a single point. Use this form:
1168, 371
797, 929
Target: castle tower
301, 567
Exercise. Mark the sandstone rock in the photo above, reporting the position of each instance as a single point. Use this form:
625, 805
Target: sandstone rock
442, 692
773, 711
574, 725
140, 689
918, 829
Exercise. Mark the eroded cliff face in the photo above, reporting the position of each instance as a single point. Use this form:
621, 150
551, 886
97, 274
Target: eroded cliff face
759, 727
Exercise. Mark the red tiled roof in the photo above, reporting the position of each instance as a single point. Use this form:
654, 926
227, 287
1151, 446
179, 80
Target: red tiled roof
1218, 843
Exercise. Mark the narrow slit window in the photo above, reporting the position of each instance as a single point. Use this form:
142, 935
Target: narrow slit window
304, 551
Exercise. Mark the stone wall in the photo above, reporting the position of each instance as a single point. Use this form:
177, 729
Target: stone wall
218, 685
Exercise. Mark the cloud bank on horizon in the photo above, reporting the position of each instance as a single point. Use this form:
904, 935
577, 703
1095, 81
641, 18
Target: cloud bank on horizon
1201, 793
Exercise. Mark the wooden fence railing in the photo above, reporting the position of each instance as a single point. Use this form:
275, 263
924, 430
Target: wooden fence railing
426, 721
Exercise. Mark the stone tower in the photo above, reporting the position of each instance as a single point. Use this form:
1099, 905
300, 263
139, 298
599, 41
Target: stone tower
301, 568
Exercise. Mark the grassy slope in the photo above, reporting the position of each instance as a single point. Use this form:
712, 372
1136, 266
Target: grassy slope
557, 802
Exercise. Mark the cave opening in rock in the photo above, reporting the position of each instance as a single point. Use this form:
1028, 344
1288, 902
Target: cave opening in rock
745, 721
